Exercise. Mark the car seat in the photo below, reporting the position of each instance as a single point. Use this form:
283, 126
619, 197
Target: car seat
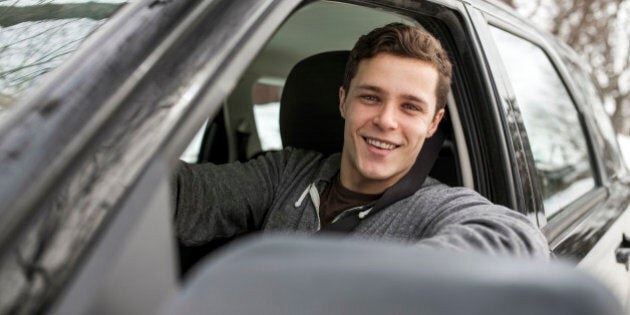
309, 107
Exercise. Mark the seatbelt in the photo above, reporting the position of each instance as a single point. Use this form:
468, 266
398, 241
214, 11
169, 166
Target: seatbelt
405, 187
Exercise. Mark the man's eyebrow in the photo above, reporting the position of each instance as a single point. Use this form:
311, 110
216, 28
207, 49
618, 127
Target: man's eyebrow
414, 98
370, 88
377, 89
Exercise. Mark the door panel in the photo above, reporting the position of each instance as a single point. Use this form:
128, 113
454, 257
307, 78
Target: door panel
601, 261
132, 268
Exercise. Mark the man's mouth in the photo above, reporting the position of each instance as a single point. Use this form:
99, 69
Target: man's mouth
380, 144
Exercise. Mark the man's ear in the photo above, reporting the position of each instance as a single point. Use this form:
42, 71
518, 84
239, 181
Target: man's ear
436, 122
342, 102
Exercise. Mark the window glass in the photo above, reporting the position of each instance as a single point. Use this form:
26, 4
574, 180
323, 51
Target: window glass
37, 35
606, 135
267, 114
554, 131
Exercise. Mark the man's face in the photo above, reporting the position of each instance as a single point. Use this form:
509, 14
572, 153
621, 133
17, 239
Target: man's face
389, 110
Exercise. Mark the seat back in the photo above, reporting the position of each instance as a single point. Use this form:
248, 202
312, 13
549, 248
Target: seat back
309, 107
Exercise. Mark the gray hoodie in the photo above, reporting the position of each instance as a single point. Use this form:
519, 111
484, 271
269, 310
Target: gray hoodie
280, 191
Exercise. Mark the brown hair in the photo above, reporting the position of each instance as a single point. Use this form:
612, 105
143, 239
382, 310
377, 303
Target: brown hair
405, 41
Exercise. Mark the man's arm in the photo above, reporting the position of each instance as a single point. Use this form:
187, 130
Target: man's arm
221, 201
464, 220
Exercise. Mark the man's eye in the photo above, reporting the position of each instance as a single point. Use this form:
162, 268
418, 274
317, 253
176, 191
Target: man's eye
412, 107
369, 98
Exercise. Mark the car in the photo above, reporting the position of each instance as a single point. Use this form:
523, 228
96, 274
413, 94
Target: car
87, 153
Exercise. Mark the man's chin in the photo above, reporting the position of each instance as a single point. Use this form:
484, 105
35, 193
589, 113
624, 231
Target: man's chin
379, 173
378, 176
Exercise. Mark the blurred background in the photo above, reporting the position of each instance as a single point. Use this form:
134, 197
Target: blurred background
599, 31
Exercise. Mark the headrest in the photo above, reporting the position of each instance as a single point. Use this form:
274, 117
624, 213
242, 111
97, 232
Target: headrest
309, 107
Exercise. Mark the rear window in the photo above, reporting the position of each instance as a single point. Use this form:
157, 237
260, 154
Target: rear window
556, 135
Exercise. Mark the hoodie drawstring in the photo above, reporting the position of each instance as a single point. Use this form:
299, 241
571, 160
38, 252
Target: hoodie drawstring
299, 202
312, 191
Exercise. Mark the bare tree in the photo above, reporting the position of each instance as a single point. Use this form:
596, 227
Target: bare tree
11, 15
34, 39
598, 30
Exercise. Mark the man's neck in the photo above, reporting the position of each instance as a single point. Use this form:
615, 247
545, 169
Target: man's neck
362, 186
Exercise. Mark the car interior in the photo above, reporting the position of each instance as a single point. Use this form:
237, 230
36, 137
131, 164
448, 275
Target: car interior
278, 104
256, 118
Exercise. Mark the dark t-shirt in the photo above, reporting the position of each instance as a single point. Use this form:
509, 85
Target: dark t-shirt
336, 198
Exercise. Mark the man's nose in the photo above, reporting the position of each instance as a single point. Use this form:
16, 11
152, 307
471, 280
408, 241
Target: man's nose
385, 118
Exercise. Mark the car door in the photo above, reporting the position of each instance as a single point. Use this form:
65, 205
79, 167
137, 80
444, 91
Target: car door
568, 165
86, 162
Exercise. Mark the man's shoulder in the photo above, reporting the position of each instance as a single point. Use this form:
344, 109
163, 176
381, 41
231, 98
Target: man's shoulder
310, 165
432, 185
297, 153
434, 193
303, 158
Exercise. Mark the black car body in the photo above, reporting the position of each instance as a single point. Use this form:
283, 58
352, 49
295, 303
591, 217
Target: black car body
86, 157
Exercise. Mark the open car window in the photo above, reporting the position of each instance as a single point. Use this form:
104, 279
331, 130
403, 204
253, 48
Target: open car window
251, 111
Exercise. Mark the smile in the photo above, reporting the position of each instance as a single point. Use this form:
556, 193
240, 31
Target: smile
380, 144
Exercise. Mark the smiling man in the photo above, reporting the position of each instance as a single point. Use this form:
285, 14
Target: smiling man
392, 99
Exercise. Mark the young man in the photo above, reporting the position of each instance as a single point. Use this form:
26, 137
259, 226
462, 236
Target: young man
392, 99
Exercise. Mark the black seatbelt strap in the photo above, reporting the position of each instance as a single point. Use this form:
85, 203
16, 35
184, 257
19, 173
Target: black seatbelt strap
404, 188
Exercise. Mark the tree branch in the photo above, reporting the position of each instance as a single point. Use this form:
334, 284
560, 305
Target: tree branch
12, 15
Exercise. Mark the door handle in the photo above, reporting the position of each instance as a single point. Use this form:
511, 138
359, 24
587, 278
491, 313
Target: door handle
622, 253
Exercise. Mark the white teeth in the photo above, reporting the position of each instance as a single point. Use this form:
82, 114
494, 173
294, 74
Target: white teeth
380, 145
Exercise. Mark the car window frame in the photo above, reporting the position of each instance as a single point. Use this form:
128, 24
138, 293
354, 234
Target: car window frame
470, 85
526, 187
